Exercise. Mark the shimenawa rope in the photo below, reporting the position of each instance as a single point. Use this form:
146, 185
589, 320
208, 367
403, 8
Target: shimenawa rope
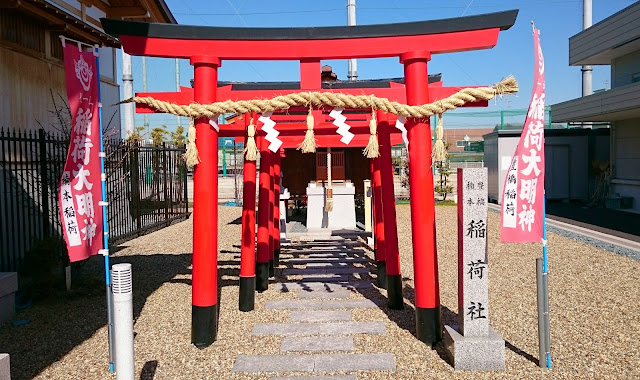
318, 99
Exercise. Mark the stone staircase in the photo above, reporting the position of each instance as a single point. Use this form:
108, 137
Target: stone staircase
317, 340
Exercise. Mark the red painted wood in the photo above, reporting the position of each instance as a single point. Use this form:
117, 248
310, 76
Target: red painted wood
392, 254
423, 226
205, 194
378, 215
248, 252
298, 49
272, 159
276, 199
263, 205
310, 79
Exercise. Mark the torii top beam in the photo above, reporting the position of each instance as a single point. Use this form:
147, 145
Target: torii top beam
334, 42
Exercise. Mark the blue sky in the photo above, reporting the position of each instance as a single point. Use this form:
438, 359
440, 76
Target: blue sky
557, 20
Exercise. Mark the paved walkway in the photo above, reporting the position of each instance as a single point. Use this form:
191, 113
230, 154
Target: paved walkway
317, 341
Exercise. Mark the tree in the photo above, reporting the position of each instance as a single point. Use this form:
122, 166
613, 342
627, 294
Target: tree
444, 169
158, 135
443, 188
178, 137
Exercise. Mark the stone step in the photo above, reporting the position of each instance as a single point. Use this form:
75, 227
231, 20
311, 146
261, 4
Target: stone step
320, 316
328, 328
314, 363
324, 294
317, 343
325, 260
328, 286
320, 271
327, 278
313, 252
319, 304
330, 264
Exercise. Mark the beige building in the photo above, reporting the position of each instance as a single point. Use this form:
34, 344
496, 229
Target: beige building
32, 81
614, 41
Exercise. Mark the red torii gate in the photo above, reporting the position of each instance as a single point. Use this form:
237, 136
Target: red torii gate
413, 43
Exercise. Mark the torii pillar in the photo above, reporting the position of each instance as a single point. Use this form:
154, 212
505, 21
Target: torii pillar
378, 223
423, 227
248, 252
276, 207
263, 255
204, 309
391, 252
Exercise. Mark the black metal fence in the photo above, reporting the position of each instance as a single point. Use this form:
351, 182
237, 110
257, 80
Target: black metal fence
146, 190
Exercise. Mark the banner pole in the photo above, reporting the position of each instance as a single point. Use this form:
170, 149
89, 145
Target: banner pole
545, 273
105, 229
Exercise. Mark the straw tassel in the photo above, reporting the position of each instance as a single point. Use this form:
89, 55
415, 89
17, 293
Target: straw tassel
251, 150
191, 155
308, 145
328, 206
372, 150
439, 150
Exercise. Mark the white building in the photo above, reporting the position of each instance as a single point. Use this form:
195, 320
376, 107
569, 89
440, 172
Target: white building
614, 41
32, 81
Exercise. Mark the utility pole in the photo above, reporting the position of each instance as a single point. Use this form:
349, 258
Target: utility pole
587, 85
351, 21
127, 82
144, 89
178, 86
587, 88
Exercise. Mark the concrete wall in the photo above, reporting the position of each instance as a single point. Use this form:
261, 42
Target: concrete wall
568, 158
623, 69
626, 178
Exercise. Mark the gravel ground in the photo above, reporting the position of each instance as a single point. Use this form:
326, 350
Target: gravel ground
594, 294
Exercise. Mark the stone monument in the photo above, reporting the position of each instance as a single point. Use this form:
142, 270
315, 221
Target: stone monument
473, 344
343, 214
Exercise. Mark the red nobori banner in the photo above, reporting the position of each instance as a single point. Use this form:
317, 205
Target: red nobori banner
523, 196
80, 185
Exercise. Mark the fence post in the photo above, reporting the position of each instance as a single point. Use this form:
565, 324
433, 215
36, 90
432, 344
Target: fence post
166, 184
186, 183
44, 178
134, 174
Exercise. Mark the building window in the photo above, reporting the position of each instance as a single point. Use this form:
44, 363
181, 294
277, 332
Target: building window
22, 30
460, 143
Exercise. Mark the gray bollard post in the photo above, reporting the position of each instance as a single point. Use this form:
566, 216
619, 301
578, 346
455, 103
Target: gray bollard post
123, 320
542, 333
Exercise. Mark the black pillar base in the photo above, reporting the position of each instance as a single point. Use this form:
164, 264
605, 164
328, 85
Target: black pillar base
247, 293
204, 325
381, 274
276, 257
394, 292
428, 325
262, 276
272, 270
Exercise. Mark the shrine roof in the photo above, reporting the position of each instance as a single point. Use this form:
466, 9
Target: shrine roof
502, 20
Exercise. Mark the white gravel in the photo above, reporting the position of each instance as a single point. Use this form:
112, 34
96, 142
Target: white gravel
594, 295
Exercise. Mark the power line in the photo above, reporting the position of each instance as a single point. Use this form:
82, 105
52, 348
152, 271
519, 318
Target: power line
361, 8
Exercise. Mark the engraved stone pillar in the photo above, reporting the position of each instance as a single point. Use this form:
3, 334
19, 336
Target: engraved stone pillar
473, 345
